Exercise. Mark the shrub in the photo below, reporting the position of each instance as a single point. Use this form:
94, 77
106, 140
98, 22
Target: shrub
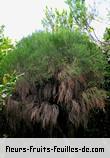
62, 75
40, 55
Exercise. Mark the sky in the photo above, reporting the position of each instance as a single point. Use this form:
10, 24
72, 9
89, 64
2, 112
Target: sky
22, 17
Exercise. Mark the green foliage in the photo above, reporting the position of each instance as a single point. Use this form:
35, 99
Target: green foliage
6, 87
106, 48
7, 81
5, 47
107, 34
55, 20
5, 44
40, 55
76, 17
82, 17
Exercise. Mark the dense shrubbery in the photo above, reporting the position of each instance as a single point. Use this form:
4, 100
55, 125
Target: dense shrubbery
62, 76
40, 55
61, 82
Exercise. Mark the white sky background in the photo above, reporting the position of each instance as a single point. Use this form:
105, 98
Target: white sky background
22, 17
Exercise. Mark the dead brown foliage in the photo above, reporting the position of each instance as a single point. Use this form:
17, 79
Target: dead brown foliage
55, 103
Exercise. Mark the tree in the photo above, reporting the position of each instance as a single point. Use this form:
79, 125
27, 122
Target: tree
55, 20
60, 84
77, 17
63, 72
